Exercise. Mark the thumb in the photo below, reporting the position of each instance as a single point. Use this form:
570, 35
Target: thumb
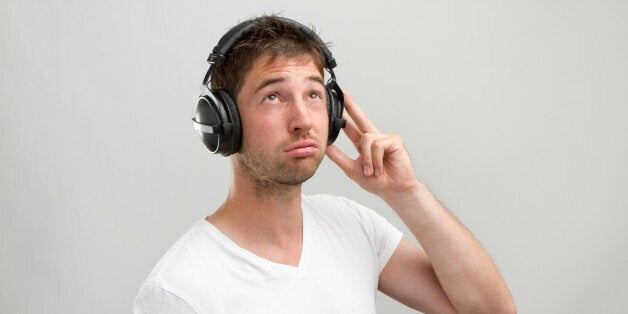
340, 158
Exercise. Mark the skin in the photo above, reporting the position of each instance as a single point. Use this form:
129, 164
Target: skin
271, 162
281, 105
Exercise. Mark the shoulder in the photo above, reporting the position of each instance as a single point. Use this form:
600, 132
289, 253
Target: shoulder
330, 202
344, 213
175, 276
352, 219
178, 255
338, 206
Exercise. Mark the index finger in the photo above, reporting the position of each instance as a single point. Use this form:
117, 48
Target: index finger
361, 120
353, 132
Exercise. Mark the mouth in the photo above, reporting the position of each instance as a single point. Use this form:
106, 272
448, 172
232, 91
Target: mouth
304, 148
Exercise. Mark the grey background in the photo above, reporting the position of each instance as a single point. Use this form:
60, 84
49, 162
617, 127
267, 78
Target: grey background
513, 113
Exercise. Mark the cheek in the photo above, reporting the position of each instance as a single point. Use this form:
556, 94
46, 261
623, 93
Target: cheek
258, 127
322, 122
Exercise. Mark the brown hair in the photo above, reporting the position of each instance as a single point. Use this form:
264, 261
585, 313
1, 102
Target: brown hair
272, 36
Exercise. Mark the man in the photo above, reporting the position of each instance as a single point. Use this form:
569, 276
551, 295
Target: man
270, 249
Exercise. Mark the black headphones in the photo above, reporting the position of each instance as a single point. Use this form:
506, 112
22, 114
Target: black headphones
217, 119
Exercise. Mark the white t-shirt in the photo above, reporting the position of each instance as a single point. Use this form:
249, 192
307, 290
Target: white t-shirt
345, 248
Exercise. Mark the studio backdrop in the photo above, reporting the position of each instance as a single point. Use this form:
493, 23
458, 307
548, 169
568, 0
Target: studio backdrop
513, 113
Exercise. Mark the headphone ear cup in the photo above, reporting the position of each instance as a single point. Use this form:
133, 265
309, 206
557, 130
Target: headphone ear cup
235, 138
209, 112
335, 106
216, 111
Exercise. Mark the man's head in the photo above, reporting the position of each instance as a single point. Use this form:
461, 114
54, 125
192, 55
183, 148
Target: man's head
268, 37
271, 69
275, 74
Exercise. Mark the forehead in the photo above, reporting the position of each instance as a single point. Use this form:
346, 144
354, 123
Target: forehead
266, 65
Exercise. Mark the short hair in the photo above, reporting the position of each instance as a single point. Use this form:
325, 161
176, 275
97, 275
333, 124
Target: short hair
273, 37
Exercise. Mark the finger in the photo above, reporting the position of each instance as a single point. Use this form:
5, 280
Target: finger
340, 158
353, 133
366, 152
361, 120
377, 153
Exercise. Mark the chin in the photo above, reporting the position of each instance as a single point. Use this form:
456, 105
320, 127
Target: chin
300, 173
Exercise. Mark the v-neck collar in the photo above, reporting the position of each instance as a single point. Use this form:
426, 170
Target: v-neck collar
260, 262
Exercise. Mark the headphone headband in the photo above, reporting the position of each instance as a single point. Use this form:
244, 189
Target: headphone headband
222, 50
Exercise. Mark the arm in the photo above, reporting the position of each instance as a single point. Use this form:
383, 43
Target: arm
453, 273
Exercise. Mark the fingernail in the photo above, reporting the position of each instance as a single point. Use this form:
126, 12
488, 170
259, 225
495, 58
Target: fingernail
377, 172
367, 171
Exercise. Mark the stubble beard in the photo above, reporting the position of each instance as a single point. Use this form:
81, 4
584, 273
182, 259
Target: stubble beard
274, 176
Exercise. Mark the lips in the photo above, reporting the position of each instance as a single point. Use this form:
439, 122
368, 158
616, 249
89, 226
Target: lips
302, 149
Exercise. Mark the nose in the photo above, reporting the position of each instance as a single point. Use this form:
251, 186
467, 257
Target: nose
300, 117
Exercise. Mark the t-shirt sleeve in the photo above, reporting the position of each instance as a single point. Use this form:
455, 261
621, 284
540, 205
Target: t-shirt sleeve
155, 300
389, 238
384, 235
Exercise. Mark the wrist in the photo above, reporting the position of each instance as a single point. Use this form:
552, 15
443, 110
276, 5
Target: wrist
412, 193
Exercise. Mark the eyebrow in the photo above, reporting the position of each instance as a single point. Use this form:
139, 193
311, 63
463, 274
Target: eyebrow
274, 80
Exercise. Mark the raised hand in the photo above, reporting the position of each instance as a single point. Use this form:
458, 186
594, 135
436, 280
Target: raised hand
383, 167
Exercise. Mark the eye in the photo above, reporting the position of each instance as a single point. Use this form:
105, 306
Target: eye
314, 96
271, 97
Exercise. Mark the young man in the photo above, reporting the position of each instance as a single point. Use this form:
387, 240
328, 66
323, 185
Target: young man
270, 249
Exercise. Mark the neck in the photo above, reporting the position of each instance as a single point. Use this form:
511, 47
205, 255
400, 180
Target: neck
261, 211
